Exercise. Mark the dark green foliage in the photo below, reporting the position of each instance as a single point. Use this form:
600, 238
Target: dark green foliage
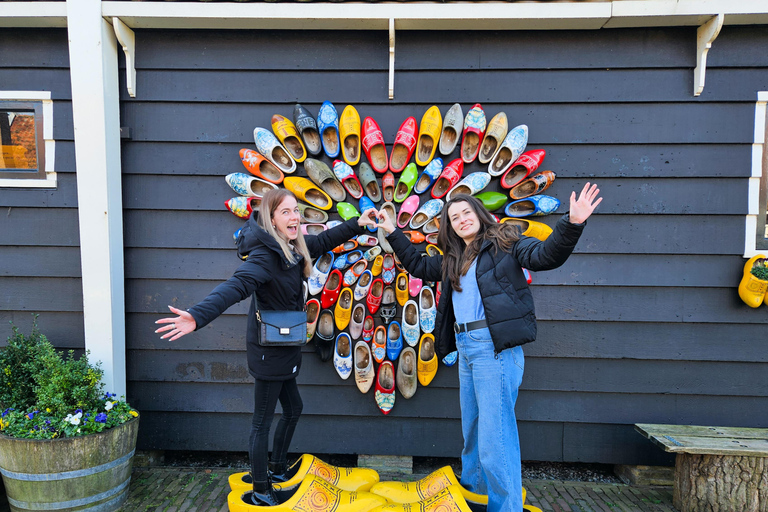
759, 270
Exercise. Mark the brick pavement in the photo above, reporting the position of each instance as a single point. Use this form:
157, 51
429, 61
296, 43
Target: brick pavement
164, 489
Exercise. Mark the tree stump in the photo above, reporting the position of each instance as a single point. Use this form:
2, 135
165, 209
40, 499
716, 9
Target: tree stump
720, 483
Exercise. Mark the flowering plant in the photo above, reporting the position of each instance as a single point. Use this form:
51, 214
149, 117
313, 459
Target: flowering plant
46, 396
760, 269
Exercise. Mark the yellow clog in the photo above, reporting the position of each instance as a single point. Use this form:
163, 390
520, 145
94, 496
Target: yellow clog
378, 262
349, 129
343, 311
308, 191
494, 136
312, 495
530, 227
433, 250
412, 492
429, 135
401, 288
426, 368
751, 289
289, 136
448, 499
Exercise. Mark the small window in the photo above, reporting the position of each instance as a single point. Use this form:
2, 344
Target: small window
26, 140
761, 240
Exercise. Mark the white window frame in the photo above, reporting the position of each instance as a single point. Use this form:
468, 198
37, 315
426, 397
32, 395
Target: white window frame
49, 146
756, 210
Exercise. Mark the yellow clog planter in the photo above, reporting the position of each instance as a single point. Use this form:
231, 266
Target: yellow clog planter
349, 129
753, 291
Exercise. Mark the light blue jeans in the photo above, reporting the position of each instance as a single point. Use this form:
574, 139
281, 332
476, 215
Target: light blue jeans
488, 387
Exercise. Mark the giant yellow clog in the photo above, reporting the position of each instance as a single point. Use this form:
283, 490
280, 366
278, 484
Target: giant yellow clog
312, 495
309, 192
751, 289
289, 136
448, 499
411, 492
429, 135
530, 227
349, 129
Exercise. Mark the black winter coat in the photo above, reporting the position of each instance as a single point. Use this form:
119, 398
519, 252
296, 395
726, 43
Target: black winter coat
506, 297
276, 285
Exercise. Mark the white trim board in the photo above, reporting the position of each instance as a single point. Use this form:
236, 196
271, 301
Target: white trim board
753, 197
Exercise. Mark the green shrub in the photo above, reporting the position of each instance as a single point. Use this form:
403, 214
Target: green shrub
760, 270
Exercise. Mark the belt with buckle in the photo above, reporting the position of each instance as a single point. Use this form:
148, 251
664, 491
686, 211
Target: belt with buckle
469, 326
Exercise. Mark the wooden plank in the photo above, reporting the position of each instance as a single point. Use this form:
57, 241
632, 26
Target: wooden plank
739, 46
55, 80
63, 127
40, 226
37, 294
610, 444
649, 430
65, 157
63, 196
63, 329
40, 261
34, 48
710, 446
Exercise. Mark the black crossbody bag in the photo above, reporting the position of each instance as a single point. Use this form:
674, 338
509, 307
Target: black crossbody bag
282, 328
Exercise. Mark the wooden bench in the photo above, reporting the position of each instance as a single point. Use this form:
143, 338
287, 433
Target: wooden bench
717, 469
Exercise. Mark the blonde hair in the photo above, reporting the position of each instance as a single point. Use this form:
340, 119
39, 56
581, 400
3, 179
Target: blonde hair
269, 203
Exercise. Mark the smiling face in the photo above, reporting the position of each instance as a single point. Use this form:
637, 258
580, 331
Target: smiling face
464, 221
286, 218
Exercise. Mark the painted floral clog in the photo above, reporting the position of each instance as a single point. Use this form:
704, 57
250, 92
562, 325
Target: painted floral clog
407, 210
258, 165
530, 227
427, 211
406, 373
342, 355
369, 182
492, 200
308, 191
310, 214
474, 129
536, 184
521, 168
346, 175
320, 272
414, 285
471, 184
394, 340
363, 285
364, 373
510, 150
323, 177
453, 124
494, 136
405, 183
331, 289
313, 313
410, 323
366, 240
427, 309
373, 300
247, 185
388, 186
243, 206
368, 325
268, 145
532, 206
373, 145
385, 387
289, 137
354, 272
451, 358
388, 269
426, 365
347, 211
307, 126
405, 144
428, 176
372, 254
379, 344
328, 125
429, 135
448, 178
366, 204
356, 322
349, 128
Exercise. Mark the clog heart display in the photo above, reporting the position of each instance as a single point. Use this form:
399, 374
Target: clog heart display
410, 323
373, 300
289, 137
530, 227
332, 289
420, 490
388, 186
405, 144
313, 313
405, 183
492, 200
246, 185
407, 210
342, 355
347, 211
394, 340
348, 178
356, 322
308, 191
425, 213
414, 286
368, 326
470, 184
426, 366
369, 183
307, 126
754, 283
415, 237
379, 344
364, 373
323, 177
324, 335
349, 128
536, 184
258, 165
429, 135
328, 125
494, 136
427, 309
319, 274
523, 167
363, 285
385, 387
532, 206
406, 373
448, 178
243, 206
474, 129
401, 288
313, 229
511, 149
310, 214
428, 176
373, 145
453, 124
268, 145
354, 272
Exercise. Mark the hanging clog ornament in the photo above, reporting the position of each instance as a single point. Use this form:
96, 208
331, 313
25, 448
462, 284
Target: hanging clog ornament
453, 124
388, 186
247, 185
524, 166
405, 183
288, 135
348, 178
405, 144
532, 206
426, 212
474, 129
470, 184
407, 210
530, 227
328, 124
510, 150
429, 135
492, 200
494, 136
323, 177
349, 127
307, 126
259, 166
536, 184
448, 178
312, 215
369, 183
428, 176
307, 191
373, 145
268, 145
242, 206
347, 211
366, 204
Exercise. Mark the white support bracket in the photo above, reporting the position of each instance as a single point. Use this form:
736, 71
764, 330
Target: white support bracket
705, 36
391, 58
127, 40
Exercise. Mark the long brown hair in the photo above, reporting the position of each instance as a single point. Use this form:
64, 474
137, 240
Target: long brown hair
269, 203
458, 256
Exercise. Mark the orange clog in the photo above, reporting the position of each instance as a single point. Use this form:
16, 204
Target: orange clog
258, 165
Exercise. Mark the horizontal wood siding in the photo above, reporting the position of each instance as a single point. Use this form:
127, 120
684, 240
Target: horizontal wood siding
39, 235
642, 324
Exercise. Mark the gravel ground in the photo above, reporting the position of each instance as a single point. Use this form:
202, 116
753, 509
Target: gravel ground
581, 472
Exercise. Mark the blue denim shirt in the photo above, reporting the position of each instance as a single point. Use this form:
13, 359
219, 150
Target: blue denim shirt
467, 304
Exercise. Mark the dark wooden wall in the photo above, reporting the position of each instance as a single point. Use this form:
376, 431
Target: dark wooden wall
39, 234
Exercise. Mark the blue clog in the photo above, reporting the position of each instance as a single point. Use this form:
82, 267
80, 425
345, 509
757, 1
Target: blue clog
394, 340
366, 204
328, 124
428, 176
532, 206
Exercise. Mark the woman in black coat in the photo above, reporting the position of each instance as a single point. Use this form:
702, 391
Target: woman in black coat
278, 262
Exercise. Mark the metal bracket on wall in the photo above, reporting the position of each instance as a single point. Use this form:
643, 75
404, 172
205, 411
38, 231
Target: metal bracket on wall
705, 36
391, 58
127, 40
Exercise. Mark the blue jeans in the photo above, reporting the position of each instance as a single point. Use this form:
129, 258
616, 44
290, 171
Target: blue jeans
488, 387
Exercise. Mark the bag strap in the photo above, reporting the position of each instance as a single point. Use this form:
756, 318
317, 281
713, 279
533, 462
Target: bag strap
302, 295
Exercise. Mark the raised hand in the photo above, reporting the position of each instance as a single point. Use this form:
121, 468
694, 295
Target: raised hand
385, 222
583, 207
368, 218
177, 326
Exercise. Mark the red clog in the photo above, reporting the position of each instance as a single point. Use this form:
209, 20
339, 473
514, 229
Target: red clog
438, 292
385, 387
368, 328
373, 145
388, 269
332, 289
373, 300
346, 175
404, 146
523, 167
448, 178
474, 130
388, 186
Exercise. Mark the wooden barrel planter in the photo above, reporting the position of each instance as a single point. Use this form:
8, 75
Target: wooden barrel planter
76, 473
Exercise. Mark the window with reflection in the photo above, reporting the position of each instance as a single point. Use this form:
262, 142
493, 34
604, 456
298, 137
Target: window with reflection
21, 140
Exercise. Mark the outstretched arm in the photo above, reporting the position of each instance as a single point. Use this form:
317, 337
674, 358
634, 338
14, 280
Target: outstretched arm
583, 207
428, 268
327, 240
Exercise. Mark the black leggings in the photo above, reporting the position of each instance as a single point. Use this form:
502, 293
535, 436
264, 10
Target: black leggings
266, 394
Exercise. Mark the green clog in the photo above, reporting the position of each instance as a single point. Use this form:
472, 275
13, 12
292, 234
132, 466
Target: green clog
347, 211
492, 200
406, 182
